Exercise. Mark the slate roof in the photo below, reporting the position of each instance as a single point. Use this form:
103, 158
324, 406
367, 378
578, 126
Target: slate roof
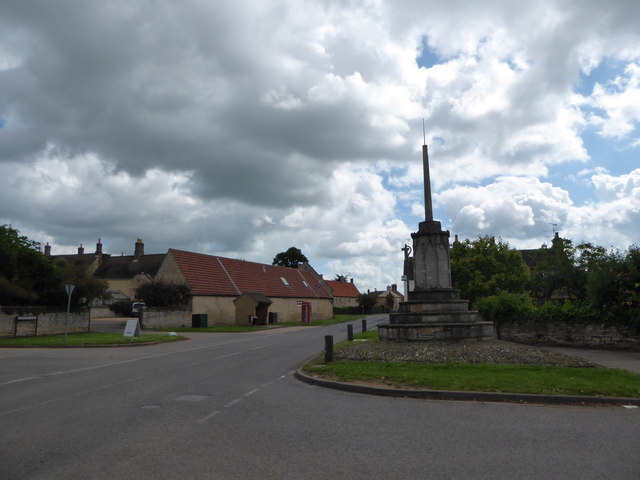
128, 267
213, 275
343, 289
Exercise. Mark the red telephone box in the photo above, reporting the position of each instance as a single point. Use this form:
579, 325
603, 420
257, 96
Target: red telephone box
306, 312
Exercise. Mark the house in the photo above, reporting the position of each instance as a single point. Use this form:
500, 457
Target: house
230, 291
345, 294
126, 273
384, 294
123, 274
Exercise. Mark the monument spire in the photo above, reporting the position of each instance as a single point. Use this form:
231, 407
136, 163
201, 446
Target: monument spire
428, 210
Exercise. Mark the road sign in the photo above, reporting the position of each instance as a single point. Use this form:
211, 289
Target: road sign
132, 328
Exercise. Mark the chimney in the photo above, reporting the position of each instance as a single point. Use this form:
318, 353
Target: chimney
47, 250
139, 249
557, 235
352, 280
80, 250
394, 287
456, 239
99, 247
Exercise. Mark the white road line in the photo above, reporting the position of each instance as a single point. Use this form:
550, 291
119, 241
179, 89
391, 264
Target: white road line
211, 415
268, 345
238, 400
124, 362
66, 397
232, 403
213, 359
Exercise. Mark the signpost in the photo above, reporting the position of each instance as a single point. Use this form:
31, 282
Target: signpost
69, 289
132, 328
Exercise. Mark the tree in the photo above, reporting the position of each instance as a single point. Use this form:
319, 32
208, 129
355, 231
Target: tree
389, 301
558, 273
163, 294
28, 277
367, 301
292, 258
26, 273
486, 267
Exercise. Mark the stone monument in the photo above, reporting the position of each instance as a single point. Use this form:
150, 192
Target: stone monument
433, 310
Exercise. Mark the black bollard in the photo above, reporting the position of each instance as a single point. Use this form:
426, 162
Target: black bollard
364, 325
328, 348
350, 333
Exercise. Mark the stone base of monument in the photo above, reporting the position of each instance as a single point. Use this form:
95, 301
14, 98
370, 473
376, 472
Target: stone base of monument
435, 315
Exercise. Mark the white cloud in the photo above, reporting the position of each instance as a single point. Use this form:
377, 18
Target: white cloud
244, 128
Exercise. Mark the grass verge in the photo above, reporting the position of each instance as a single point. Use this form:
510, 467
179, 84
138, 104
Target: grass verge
216, 328
85, 339
534, 379
325, 322
542, 380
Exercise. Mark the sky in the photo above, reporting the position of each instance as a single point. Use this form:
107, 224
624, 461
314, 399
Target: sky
243, 128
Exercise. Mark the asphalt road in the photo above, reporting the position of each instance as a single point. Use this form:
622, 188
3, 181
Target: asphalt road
226, 406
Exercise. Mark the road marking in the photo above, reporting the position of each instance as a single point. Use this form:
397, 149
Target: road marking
211, 415
268, 345
238, 400
213, 359
66, 397
232, 403
124, 362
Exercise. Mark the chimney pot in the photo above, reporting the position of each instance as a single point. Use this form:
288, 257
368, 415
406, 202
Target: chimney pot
139, 249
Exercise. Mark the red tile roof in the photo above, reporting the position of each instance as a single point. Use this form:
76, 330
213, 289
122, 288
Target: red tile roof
343, 289
212, 275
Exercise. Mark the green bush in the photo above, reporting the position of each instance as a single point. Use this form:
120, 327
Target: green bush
163, 294
121, 308
506, 307
568, 312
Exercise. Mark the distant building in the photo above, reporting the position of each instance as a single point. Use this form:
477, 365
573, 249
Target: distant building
345, 294
382, 296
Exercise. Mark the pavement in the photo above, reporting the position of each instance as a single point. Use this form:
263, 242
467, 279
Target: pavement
626, 360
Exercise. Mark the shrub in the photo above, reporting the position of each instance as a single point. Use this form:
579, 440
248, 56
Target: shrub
506, 307
121, 308
163, 294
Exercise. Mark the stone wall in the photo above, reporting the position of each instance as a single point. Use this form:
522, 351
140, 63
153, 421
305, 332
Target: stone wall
155, 317
571, 335
45, 321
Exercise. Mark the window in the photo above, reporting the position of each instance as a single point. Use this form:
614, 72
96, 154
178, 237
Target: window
284, 280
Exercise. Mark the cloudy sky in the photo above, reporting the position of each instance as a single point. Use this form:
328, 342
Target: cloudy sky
243, 128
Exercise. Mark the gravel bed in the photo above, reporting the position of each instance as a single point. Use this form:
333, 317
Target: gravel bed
464, 351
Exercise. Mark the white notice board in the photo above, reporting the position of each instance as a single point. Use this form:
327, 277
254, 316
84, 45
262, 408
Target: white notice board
132, 328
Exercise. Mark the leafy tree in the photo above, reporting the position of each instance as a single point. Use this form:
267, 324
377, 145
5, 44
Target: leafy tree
613, 284
557, 272
27, 277
486, 267
26, 274
367, 301
389, 300
163, 294
292, 258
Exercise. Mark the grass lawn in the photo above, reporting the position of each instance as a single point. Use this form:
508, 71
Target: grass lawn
321, 323
87, 339
218, 328
541, 380
544, 380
